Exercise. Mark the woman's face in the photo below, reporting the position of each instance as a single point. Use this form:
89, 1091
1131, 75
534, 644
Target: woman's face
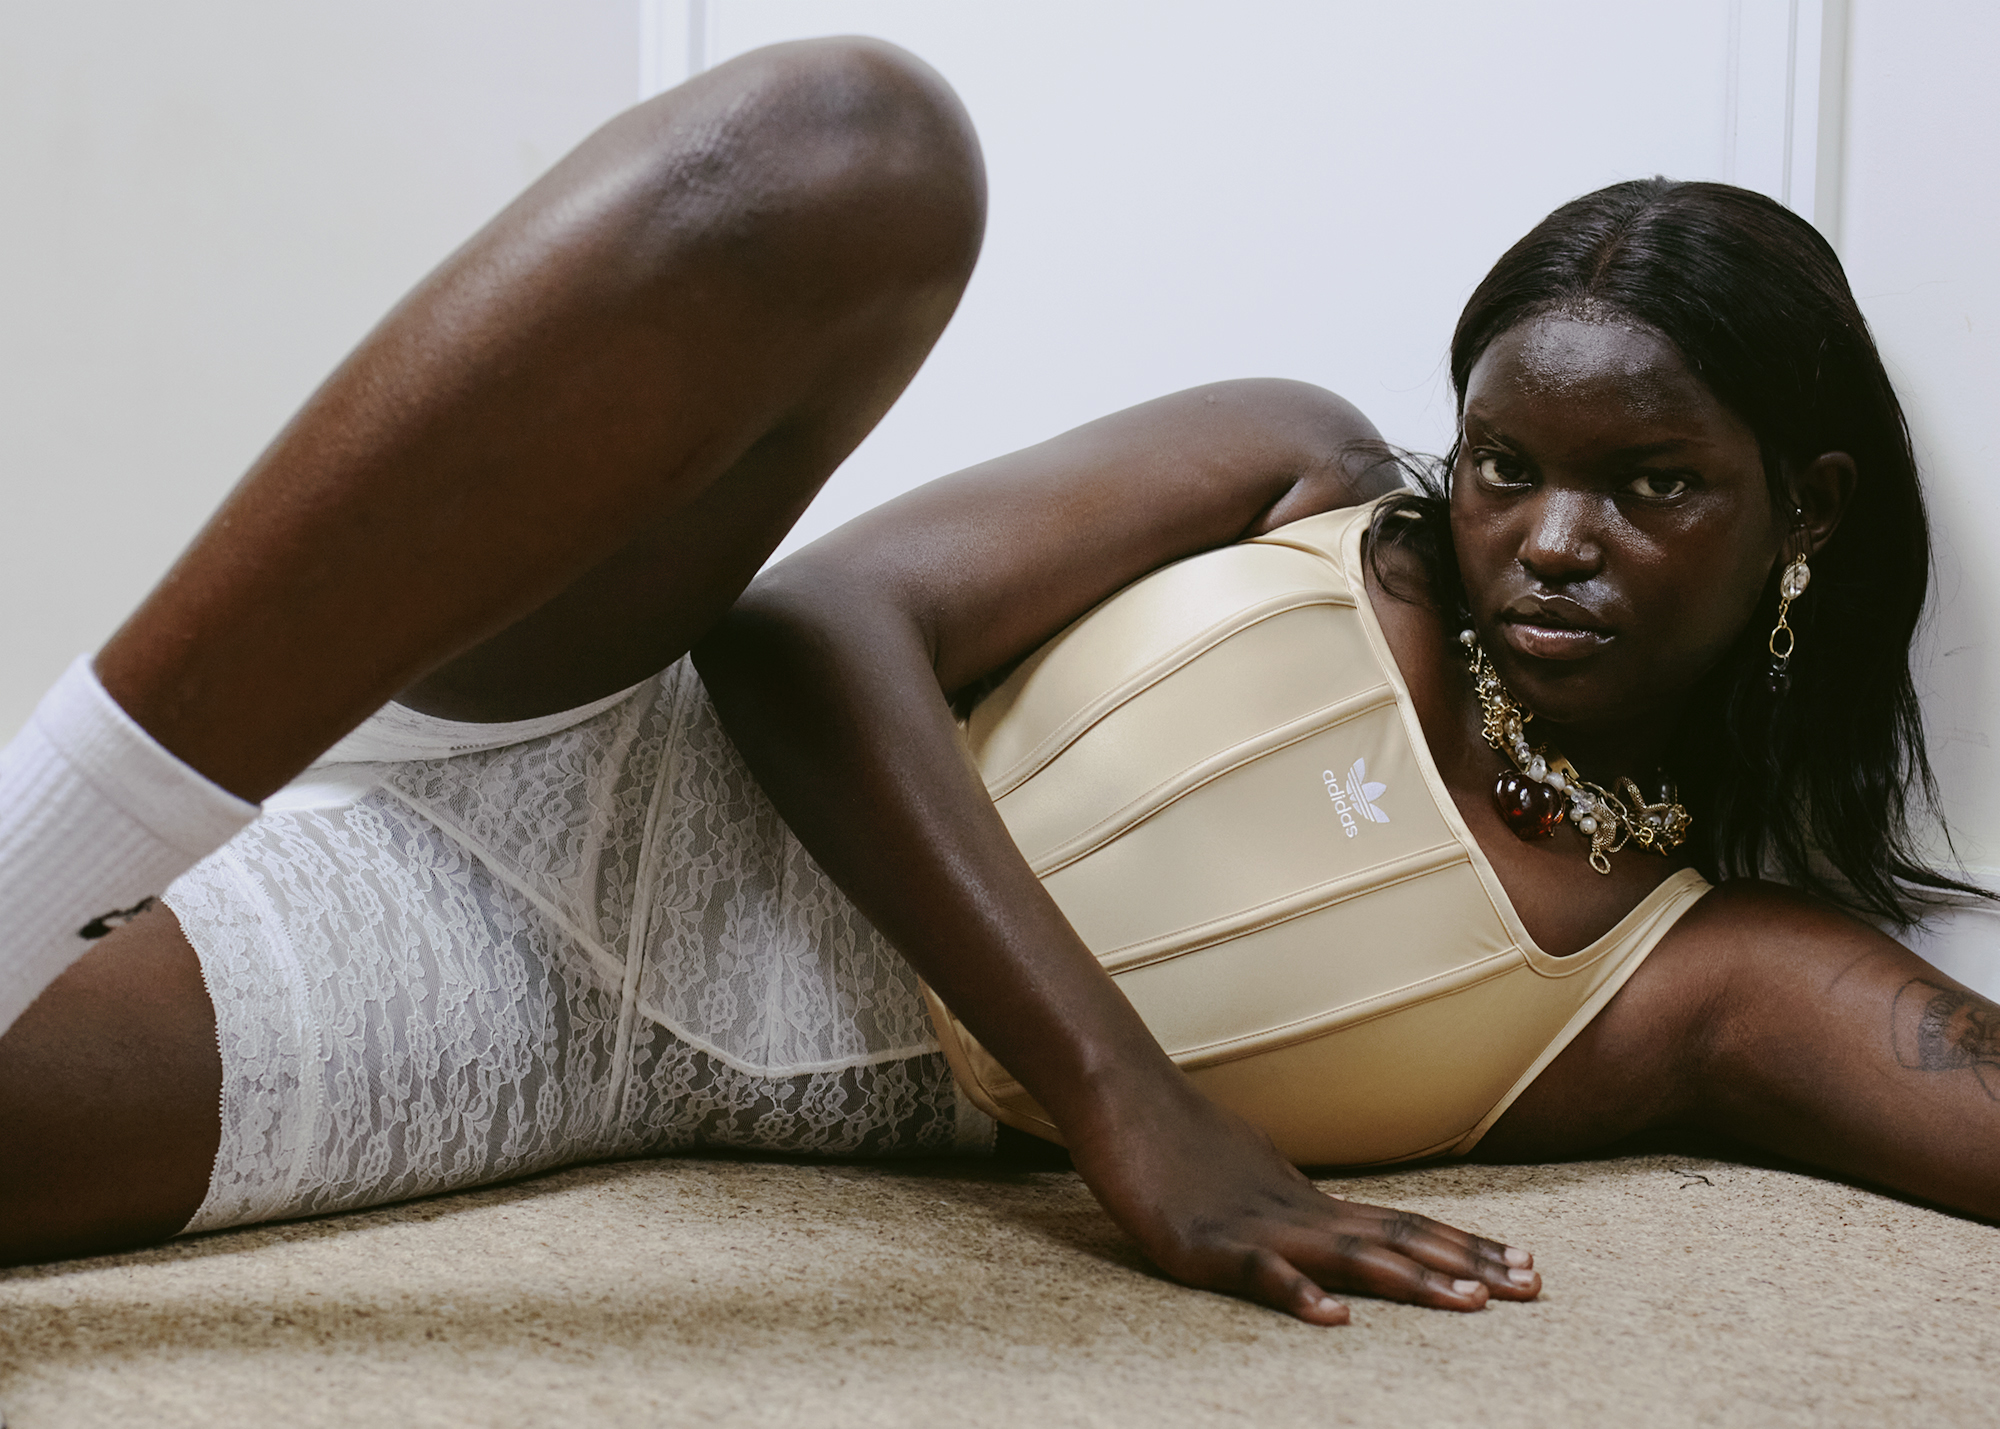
1613, 525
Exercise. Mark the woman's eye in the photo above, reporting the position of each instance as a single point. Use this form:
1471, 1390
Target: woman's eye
1496, 470
1658, 485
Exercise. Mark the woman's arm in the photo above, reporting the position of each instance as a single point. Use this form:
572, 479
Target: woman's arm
832, 674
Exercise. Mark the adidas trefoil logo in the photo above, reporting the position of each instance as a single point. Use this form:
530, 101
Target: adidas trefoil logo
1354, 797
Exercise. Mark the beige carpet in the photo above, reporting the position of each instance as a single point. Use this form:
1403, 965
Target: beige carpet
1680, 1291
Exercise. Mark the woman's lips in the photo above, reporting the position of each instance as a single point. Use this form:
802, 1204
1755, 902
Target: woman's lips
1542, 641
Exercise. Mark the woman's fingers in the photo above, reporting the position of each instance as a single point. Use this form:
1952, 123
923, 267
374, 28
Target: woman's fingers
1505, 1270
1275, 1281
1301, 1289
1512, 1256
1296, 1266
1357, 1263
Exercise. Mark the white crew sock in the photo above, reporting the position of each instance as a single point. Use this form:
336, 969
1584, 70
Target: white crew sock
96, 819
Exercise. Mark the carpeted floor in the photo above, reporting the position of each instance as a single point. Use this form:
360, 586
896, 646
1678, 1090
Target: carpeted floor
730, 1292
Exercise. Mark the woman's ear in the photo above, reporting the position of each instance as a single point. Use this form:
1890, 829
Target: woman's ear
1822, 490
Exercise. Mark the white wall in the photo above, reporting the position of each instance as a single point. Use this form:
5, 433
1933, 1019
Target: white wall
1920, 235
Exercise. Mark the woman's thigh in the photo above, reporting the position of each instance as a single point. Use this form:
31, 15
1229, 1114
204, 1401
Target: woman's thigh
561, 457
110, 1087
766, 342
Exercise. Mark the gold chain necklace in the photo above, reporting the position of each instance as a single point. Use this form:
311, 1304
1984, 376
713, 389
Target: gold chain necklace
1533, 795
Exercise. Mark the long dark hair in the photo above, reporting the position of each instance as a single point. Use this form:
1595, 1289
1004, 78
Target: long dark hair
1756, 303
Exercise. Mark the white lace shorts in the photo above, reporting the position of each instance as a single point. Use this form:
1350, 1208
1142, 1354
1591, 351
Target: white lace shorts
453, 954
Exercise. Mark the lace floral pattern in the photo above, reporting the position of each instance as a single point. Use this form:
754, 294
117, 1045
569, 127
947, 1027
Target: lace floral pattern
601, 942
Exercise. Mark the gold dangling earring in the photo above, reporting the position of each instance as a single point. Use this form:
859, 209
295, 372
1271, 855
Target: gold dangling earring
1791, 585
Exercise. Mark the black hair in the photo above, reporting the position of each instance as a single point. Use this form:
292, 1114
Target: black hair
1755, 302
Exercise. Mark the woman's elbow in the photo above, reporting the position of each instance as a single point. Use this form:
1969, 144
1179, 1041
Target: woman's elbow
793, 618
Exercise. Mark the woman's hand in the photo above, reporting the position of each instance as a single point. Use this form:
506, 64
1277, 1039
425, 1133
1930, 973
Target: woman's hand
1212, 1203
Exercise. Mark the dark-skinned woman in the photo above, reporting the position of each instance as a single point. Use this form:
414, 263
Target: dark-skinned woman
575, 893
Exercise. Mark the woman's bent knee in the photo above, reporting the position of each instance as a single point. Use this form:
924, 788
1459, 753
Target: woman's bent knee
846, 153
110, 1091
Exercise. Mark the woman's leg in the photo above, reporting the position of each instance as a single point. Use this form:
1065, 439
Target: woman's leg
1774, 1019
557, 461
110, 1089
538, 481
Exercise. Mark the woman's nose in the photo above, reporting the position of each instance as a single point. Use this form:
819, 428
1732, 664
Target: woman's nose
1560, 544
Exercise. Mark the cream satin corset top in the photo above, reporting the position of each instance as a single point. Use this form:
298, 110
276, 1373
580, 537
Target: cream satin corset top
1218, 776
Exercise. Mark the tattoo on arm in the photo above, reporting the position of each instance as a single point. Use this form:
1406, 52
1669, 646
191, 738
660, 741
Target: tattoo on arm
1941, 1029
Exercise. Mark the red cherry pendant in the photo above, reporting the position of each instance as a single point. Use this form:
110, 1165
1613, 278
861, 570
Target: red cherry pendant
1532, 809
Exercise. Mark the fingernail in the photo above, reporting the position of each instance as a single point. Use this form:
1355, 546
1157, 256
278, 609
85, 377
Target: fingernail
1465, 1287
1521, 1277
1515, 1256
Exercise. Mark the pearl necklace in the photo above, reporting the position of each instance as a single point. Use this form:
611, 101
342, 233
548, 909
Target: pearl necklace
1531, 796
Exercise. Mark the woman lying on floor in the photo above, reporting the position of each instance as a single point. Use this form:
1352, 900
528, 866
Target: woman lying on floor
540, 910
